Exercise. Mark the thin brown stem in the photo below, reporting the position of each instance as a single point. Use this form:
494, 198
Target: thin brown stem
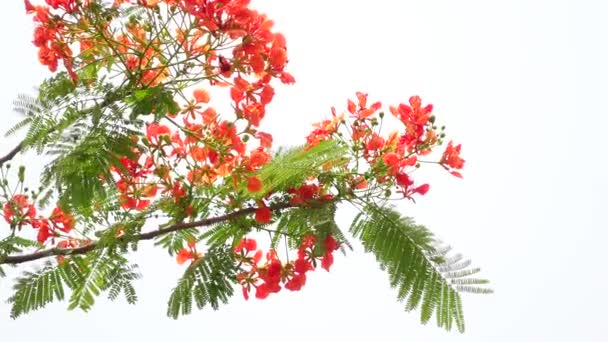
11, 154
19, 259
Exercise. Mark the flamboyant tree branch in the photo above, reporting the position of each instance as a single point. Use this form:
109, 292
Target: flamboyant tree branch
19, 259
11, 154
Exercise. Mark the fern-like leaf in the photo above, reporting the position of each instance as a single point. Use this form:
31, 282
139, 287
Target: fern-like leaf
102, 271
417, 268
292, 167
34, 290
207, 281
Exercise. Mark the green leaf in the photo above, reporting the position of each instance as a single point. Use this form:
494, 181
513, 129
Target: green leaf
207, 281
175, 241
292, 167
152, 100
417, 267
34, 290
102, 271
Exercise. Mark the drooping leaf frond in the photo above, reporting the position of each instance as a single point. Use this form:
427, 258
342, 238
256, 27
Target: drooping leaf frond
416, 268
34, 290
102, 271
207, 281
87, 277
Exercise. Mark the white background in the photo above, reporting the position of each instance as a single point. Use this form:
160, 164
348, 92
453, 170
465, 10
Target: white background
521, 84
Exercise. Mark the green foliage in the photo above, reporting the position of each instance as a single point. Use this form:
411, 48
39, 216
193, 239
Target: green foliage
87, 277
176, 241
418, 270
319, 220
14, 244
232, 231
34, 290
292, 167
207, 281
78, 167
99, 272
152, 100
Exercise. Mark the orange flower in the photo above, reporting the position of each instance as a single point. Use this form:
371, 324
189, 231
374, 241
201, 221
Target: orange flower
254, 184
198, 153
258, 158
201, 95
209, 115
188, 253
265, 139
154, 130
451, 157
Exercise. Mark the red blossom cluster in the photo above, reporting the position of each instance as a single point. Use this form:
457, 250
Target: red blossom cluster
308, 192
390, 158
18, 212
267, 277
50, 34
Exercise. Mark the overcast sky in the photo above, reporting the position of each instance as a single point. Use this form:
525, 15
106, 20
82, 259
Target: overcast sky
521, 84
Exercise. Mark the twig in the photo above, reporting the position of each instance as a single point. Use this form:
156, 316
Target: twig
18, 259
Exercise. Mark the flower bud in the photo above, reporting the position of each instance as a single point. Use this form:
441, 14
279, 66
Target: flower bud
21, 174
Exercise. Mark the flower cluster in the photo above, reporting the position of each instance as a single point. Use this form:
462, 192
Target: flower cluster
19, 211
388, 159
51, 35
272, 275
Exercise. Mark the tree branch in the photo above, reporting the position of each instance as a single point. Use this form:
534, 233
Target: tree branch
11, 154
19, 259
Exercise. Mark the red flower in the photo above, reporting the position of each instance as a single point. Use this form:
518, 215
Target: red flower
331, 244
248, 245
393, 160
201, 95
245, 292
261, 291
20, 207
451, 157
188, 253
183, 256
258, 158
45, 231
403, 180
265, 139
296, 282
375, 143
327, 261
254, 184
263, 215
61, 220
423, 189
154, 130
302, 266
